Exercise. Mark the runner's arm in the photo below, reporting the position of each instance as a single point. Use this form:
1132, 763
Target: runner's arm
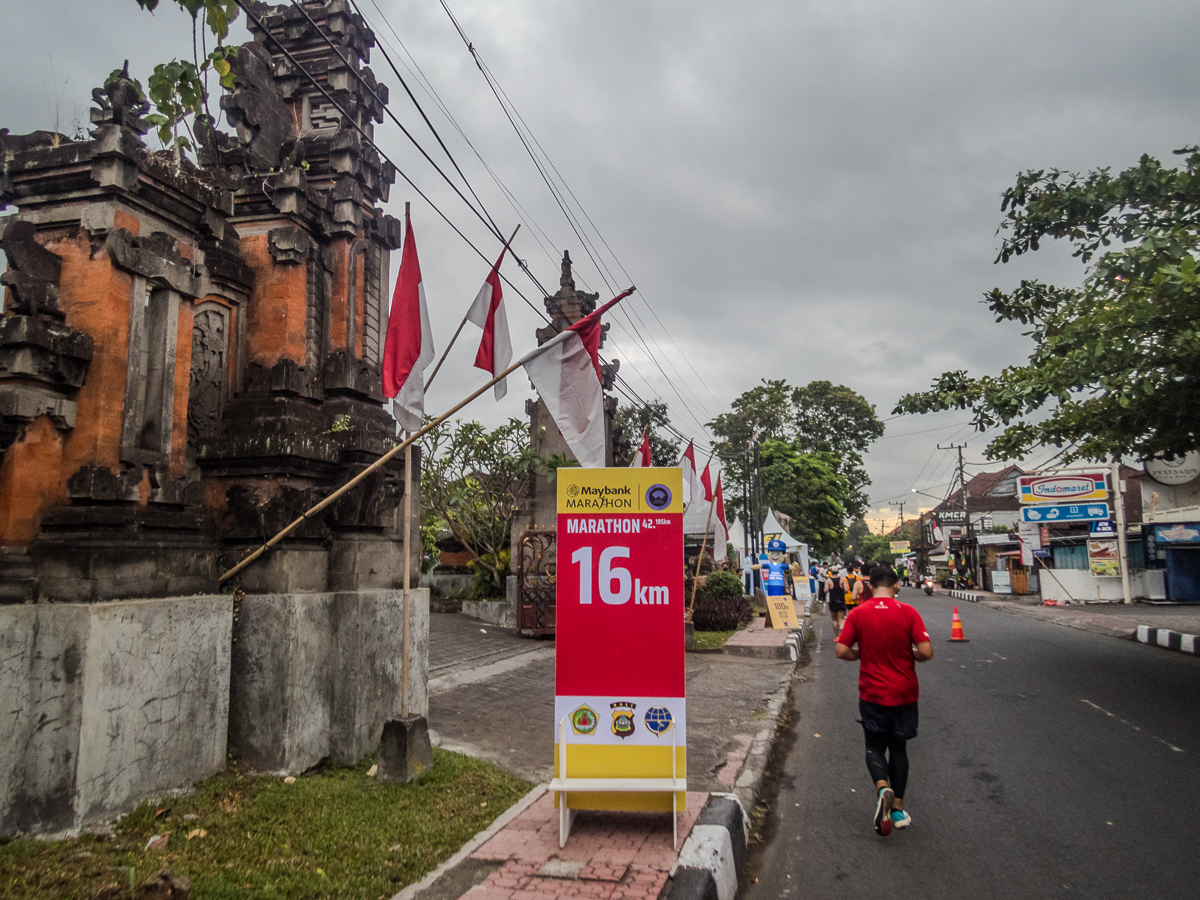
846, 652
923, 651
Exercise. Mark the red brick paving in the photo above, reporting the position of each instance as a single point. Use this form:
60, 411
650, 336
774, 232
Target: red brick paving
621, 854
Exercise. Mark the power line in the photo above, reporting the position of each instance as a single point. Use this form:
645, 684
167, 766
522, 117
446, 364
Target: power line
510, 110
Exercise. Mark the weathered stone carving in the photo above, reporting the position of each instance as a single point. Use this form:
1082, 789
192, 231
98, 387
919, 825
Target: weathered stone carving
101, 483
155, 257
263, 121
288, 244
121, 102
207, 392
33, 272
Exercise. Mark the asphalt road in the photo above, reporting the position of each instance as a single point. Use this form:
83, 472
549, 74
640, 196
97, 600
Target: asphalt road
1051, 762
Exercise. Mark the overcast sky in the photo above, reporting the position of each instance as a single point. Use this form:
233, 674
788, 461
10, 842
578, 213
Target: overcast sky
799, 190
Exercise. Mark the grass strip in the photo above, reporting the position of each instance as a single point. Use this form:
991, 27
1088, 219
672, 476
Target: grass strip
712, 640
333, 833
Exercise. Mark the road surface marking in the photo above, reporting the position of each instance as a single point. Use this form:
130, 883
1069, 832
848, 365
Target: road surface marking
1130, 724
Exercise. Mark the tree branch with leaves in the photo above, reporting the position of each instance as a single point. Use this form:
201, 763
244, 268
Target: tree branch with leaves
1116, 366
476, 481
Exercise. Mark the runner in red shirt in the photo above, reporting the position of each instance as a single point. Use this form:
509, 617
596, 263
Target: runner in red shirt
891, 639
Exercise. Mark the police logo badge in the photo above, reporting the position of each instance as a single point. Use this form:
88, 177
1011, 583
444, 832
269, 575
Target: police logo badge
584, 720
658, 720
623, 722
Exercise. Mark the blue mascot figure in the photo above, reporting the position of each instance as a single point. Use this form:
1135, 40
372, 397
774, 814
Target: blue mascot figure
776, 574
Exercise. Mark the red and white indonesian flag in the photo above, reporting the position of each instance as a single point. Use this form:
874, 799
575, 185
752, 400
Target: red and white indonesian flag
495, 348
565, 371
720, 529
706, 482
691, 476
408, 348
719, 512
696, 516
937, 532
641, 459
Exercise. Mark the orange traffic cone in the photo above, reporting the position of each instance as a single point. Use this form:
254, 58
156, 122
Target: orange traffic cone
956, 632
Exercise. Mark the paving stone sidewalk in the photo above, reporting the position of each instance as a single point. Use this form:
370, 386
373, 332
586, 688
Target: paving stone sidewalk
507, 717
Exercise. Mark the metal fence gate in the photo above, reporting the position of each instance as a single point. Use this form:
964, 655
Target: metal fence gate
535, 582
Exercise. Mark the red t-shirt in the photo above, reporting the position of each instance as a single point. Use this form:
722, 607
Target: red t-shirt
885, 630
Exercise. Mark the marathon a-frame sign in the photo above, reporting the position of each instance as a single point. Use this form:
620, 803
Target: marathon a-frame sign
619, 665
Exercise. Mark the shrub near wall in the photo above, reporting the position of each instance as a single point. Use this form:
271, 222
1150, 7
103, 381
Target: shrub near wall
721, 604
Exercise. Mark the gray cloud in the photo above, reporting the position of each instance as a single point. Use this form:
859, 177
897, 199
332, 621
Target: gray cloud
800, 190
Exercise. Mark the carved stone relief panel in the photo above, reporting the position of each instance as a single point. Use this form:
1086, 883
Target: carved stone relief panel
210, 354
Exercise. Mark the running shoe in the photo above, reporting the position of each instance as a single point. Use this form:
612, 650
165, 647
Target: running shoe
883, 812
900, 819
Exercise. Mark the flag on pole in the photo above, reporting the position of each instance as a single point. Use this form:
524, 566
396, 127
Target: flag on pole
495, 348
565, 371
721, 533
937, 533
690, 478
719, 511
408, 348
641, 459
706, 483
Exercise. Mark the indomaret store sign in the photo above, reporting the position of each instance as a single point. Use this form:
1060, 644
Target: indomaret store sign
619, 670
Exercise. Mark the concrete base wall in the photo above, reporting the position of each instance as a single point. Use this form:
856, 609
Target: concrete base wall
494, 612
1080, 585
103, 705
317, 675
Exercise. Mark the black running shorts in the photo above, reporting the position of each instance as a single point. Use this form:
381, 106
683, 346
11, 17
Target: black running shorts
899, 722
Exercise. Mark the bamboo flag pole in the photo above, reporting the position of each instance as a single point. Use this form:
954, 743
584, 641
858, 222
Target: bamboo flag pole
387, 457
404, 632
699, 558
446, 353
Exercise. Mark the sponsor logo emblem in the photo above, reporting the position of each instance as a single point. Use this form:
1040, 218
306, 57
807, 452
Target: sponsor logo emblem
584, 720
658, 720
572, 490
622, 718
658, 496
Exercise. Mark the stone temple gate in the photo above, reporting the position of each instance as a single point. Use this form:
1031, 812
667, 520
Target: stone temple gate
189, 358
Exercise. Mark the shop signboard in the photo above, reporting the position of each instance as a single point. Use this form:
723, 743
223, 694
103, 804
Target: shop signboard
1174, 469
1104, 528
899, 546
1102, 554
619, 654
1179, 533
1063, 487
1001, 582
1066, 512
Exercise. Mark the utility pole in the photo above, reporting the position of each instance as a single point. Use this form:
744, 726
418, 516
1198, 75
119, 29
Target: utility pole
1122, 541
967, 532
900, 531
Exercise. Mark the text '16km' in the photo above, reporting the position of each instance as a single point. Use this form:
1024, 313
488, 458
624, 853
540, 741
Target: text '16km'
615, 584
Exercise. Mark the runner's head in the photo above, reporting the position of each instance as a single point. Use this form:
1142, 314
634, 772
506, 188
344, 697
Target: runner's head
883, 577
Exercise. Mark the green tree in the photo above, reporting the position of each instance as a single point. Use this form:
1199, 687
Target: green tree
807, 487
636, 419
475, 481
820, 418
1116, 361
832, 418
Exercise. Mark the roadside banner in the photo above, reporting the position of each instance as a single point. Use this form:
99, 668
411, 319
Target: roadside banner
1065, 487
1104, 559
899, 546
619, 654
